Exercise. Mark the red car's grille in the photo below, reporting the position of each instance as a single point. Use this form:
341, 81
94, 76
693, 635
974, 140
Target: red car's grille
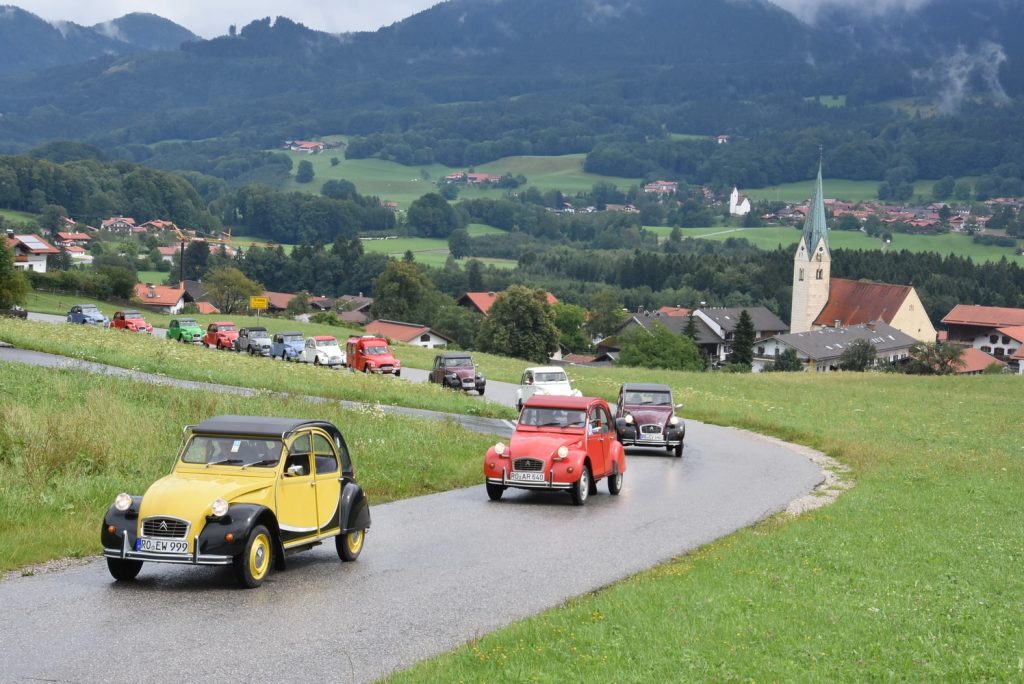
533, 465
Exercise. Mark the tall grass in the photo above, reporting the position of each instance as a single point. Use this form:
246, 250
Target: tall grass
144, 353
70, 441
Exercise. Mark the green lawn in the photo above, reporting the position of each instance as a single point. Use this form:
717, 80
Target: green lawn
152, 277
829, 100
913, 575
774, 236
835, 188
403, 184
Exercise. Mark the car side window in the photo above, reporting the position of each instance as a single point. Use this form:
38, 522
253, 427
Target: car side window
325, 458
299, 453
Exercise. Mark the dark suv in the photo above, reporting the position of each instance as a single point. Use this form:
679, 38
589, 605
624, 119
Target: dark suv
254, 341
645, 417
456, 370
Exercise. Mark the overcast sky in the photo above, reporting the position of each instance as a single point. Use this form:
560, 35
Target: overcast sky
212, 17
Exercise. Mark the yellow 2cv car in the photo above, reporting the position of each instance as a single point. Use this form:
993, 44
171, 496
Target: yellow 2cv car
243, 491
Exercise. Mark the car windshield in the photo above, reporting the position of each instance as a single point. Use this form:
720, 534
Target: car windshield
552, 417
291, 338
231, 451
90, 310
550, 377
225, 328
645, 398
187, 323
326, 344
377, 350
458, 362
259, 333
132, 314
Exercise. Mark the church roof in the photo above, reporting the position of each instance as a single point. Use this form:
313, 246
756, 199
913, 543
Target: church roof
852, 302
815, 226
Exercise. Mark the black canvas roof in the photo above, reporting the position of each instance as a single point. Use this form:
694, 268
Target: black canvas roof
259, 426
645, 387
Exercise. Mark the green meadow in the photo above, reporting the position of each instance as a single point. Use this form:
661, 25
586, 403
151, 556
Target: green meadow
18, 217
770, 237
835, 188
394, 182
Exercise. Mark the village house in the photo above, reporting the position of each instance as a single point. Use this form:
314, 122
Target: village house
673, 311
30, 251
307, 146
278, 301
966, 323
410, 333
722, 139
118, 224
354, 308
79, 255
661, 187
481, 302
471, 178
73, 239
821, 349
977, 362
167, 253
161, 298
156, 226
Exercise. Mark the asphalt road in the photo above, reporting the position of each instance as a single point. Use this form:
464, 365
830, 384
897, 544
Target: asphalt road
436, 572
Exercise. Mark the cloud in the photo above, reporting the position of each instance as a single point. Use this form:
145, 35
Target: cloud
807, 10
958, 75
110, 30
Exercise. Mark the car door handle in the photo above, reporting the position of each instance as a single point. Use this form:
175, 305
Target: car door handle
312, 484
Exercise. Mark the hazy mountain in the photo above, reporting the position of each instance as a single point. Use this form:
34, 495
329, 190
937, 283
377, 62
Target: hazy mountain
28, 43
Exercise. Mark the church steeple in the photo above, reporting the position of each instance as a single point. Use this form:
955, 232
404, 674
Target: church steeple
815, 226
812, 265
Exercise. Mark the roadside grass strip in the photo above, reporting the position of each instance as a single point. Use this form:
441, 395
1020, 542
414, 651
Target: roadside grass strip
70, 441
188, 362
913, 574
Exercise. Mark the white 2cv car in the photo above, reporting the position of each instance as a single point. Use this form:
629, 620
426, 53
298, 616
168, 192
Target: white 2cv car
544, 381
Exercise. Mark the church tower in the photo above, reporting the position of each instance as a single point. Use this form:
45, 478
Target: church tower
812, 266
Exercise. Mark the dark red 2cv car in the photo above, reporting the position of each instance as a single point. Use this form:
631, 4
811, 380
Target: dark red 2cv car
560, 443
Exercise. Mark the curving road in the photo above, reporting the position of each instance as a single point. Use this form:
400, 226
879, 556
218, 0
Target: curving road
436, 572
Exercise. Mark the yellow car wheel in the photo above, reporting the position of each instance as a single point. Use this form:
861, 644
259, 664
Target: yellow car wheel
253, 565
350, 544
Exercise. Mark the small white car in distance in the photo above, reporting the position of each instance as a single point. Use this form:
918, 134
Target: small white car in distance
544, 380
322, 350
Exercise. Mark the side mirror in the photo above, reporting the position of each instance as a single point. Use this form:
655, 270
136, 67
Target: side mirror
293, 470
679, 406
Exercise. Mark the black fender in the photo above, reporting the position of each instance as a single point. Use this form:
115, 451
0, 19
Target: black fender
354, 508
238, 522
624, 430
123, 522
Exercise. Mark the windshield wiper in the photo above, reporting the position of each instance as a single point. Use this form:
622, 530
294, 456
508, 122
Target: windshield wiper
226, 461
265, 462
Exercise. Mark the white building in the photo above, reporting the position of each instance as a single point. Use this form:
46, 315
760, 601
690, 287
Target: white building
30, 252
739, 205
821, 349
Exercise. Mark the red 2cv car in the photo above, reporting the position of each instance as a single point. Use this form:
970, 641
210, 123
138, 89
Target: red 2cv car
560, 443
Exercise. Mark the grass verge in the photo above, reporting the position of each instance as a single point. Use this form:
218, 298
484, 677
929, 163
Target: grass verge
70, 441
144, 353
912, 575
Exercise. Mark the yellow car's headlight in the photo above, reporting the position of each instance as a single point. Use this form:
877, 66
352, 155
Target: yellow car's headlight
219, 507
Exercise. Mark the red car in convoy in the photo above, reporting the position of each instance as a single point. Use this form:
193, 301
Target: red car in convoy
560, 443
130, 320
221, 335
370, 354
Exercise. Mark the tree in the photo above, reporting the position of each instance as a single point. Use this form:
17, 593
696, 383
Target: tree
606, 314
14, 284
229, 290
569, 320
51, 219
943, 188
520, 323
304, 174
935, 358
432, 216
690, 330
787, 361
658, 347
458, 243
743, 341
403, 292
858, 356
474, 276
299, 304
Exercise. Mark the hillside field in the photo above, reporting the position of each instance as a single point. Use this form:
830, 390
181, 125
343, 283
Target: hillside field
404, 184
835, 188
771, 237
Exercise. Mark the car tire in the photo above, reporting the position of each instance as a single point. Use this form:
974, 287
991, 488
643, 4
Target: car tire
615, 484
581, 488
253, 565
494, 491
350, 545
398, 374
316, 360
677, 450
480, 391
124, 569
519, 406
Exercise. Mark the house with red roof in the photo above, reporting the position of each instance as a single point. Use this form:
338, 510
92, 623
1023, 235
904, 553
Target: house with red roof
673, 311
118, 224
976, 362
30, 251
967, 322
167, 253
73, 239
278, 301
411, 333
481, 302
661, 187
307, 146
161, 298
